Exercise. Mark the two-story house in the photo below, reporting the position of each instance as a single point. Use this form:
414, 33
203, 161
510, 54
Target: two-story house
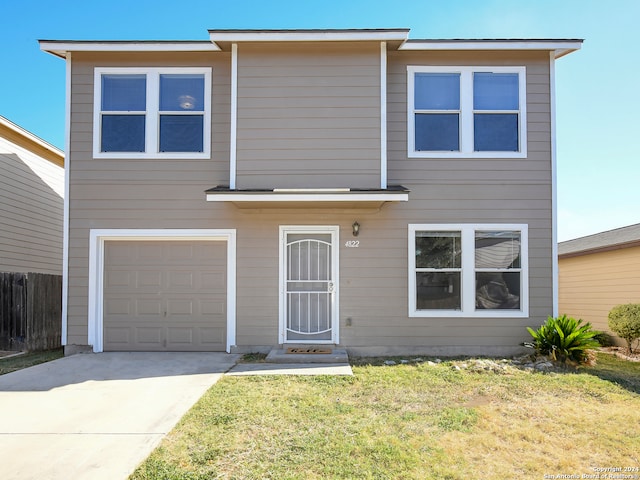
342, 187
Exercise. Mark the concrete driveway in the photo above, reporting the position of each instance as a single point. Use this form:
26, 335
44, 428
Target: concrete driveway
97, 416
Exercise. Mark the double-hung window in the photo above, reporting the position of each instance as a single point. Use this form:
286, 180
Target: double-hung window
152, 112
466, 111
469, 270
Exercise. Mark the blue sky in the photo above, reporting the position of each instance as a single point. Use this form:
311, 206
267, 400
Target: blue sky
598, 127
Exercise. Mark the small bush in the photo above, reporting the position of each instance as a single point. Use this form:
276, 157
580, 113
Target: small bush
603, 338
564, 339
624, 320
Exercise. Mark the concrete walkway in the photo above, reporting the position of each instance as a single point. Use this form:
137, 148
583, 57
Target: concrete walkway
97, 416
243, 369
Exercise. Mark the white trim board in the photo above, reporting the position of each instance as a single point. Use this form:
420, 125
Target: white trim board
65, 221
558, 48
383, 115
308, 197
97, 239
307, 35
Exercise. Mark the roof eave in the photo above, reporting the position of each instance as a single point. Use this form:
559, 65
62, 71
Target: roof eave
559, 47
60, 48
345, 35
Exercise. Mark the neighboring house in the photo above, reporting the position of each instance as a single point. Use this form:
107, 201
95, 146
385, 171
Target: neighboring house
598, 272
341, 187
31, 202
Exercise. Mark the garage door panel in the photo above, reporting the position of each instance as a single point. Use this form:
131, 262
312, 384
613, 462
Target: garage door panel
118, 335
179, 336
213, 307
148, 279
149, 335
118, 306
165, 296
212, 336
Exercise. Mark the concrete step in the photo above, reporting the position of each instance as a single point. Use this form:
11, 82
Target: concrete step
280, 355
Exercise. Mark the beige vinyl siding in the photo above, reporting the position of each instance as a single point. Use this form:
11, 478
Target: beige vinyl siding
308, 115
373, 280
31, 206
591, 285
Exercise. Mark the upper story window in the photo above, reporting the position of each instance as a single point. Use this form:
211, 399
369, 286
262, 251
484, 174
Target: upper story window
152, 113
468, 270
466, 112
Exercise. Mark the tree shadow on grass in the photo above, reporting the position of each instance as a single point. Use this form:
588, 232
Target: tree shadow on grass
624, 373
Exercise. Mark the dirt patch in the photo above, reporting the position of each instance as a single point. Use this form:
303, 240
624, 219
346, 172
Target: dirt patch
623, 352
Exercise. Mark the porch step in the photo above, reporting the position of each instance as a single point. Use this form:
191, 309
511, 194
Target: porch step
281, 355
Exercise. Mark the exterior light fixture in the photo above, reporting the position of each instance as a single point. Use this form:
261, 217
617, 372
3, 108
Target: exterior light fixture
355, 228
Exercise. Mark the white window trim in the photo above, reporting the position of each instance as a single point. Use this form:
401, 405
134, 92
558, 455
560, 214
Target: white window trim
97, 239
466, 112
152, 123
467, 231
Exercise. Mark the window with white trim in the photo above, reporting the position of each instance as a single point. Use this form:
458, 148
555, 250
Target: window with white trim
152, 112
468, 270
466, 112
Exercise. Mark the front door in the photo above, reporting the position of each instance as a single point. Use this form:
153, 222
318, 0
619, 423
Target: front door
308, 279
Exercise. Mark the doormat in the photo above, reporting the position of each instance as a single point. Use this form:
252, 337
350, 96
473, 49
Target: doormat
312, 350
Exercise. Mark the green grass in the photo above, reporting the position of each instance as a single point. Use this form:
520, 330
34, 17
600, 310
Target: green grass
408, 421
29, 359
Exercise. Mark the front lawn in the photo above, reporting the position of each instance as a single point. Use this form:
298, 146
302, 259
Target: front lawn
409, 421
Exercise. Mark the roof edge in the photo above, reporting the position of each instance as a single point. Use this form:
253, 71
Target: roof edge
310, 35
56, 156
60, 48
561, 47
604, 248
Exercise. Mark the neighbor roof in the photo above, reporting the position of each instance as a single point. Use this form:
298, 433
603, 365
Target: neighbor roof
25, 139
624, 237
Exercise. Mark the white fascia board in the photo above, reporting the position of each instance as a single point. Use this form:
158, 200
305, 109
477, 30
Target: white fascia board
60, 48
308, 36
560, 48
307, 197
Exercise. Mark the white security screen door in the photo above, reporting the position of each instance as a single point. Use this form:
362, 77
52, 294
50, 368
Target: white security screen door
308, 298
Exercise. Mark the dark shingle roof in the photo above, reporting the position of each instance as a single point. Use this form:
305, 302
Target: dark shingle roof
609, 240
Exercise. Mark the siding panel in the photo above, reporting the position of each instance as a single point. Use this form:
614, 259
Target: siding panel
324, 91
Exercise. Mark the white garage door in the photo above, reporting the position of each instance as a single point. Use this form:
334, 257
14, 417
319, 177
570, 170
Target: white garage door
165, 296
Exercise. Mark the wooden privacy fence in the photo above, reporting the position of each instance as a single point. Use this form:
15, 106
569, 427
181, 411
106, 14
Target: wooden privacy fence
30, 311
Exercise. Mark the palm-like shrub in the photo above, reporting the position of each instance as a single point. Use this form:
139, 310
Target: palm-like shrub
564, 339
624, 320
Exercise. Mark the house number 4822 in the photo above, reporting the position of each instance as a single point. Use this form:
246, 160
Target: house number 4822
352, 243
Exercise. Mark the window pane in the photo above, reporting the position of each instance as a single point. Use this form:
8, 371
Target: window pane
123, 133
438, 291
495, 91
498, 290
124, 93
181, 133
437, 132
437, 91
495, 132
498, 249
181, 92
438, 250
